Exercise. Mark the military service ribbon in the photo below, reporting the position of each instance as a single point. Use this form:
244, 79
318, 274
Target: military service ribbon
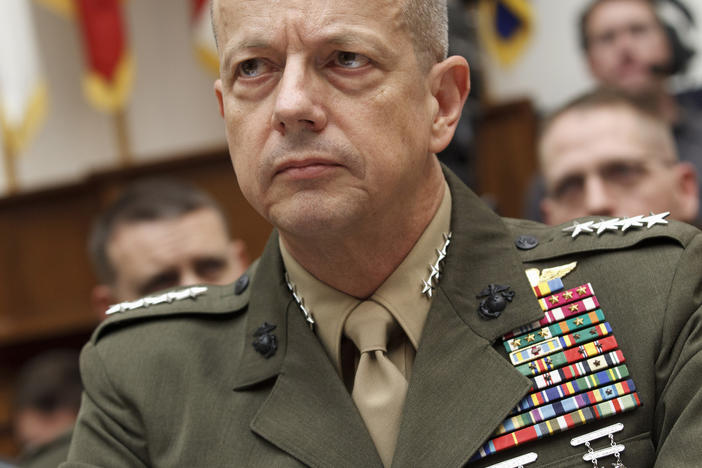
575, 365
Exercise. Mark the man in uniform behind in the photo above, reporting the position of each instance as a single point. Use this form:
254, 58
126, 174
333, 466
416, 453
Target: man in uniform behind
158, 234
46, 403
629, 48
607, 154
387, 321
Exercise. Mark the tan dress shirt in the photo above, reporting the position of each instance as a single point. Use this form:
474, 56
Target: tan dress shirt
401, 294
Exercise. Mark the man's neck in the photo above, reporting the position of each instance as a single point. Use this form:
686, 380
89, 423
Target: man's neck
358, 261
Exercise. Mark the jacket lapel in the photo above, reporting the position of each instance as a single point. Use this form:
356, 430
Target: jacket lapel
308, 413
461, 388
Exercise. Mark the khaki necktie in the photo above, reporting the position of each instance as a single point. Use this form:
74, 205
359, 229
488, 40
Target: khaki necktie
379, 388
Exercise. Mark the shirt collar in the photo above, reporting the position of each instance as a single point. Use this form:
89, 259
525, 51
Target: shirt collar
400, 293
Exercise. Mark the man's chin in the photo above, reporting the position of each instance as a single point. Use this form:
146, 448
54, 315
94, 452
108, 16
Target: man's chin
309, 216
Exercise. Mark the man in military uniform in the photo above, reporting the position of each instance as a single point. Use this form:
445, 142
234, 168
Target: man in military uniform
45, 407
373, 330
161, 233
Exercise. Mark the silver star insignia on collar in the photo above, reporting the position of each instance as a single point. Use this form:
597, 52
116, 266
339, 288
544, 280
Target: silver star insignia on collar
655, 219
607, 225
615, 223
577, 228
627, 223
427, 288
428, 285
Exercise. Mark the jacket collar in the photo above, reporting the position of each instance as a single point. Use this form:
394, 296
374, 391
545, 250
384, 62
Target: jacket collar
486, 254
309, 412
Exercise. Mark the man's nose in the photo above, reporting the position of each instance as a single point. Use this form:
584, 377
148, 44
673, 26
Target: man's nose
597, 198
297, 104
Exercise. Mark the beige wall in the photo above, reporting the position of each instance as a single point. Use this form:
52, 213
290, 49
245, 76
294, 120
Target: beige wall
172, 109
552, 69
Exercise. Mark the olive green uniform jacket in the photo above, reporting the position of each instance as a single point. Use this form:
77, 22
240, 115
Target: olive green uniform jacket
180, 385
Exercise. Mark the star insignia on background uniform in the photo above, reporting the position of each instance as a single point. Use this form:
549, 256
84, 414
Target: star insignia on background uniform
574, 308
516, 342
568, 295
530, 337
627, 223
607, 225
579, 321
543, 333
581, 290
553, 299
655, 219
577, 228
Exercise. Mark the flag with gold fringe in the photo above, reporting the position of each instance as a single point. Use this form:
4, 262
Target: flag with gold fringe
505, 28
23, 91
202, 35
109, 71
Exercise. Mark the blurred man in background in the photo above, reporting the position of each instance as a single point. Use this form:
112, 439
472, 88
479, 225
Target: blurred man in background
629, 48
47, 400
610, 155
161, 234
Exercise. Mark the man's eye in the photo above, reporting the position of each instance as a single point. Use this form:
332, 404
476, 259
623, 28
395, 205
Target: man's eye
252, 68
350, 60
623, 173
569, 189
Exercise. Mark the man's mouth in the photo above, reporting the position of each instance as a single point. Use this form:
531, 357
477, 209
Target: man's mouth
308, 168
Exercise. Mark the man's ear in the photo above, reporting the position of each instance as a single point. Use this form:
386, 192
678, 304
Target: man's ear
101, 298
688, 192
450, 84
218, 93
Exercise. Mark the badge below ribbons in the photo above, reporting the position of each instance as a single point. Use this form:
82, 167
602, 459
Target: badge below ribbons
577, 370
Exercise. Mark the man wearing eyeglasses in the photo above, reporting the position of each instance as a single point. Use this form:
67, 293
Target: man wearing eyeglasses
610, 155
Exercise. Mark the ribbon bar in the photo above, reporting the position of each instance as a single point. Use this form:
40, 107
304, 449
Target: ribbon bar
566, 297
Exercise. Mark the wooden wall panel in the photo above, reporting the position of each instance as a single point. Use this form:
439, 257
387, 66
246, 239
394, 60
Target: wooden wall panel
506, 147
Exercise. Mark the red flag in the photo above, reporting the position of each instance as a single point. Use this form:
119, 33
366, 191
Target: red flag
110, 67
203, 37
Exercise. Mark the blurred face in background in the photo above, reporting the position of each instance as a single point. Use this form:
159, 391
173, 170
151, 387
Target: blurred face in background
627, 46
613, 162
150, 256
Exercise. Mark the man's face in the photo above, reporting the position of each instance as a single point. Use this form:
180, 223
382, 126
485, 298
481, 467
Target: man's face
191, 249
327, 111
608, 161
625, 42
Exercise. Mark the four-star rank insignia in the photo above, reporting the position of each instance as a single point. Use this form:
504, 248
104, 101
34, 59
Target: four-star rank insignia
614, 224
572, 357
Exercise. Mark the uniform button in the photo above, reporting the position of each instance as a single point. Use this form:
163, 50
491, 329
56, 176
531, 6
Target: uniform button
526, 242
241, 284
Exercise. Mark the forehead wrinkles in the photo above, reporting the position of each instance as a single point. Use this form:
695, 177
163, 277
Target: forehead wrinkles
263, 22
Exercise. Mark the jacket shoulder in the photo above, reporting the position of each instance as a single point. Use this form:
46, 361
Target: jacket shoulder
589, 235
194, 301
